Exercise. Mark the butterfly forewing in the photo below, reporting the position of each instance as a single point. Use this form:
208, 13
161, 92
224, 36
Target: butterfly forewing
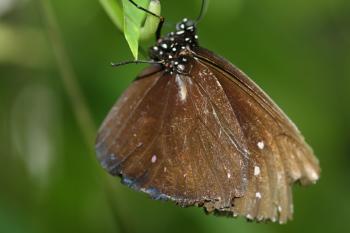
172, 140
121, 112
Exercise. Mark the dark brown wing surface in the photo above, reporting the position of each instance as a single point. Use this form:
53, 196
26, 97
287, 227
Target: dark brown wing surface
177, 137
278, 154
209, 137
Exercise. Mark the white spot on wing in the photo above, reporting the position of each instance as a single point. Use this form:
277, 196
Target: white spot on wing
256, 171
228, 175
279, 209
182, 88
261, 145
311, 173
154, 158
258, 195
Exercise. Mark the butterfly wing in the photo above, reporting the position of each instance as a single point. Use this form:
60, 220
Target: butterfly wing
176, 137
209, 137
279, 155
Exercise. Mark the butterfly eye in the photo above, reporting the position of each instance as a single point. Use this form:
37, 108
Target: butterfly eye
189, 25
180, 26
185, 25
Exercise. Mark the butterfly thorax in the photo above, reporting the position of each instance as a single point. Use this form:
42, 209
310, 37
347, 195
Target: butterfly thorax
172, 50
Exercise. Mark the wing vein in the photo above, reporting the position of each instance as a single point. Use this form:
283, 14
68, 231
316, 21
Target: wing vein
214, 108
248, 90
158, 131
214, 175
132, 112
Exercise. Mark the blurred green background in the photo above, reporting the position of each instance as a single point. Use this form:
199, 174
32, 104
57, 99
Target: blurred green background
297, 51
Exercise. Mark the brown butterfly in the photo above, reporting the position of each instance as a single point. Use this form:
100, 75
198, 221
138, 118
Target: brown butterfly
196, 130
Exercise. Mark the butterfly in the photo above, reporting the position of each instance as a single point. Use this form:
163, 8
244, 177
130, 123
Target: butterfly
196, 130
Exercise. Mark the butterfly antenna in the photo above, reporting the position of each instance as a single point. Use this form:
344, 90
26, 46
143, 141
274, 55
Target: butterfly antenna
135, 62
202, 11
161, 18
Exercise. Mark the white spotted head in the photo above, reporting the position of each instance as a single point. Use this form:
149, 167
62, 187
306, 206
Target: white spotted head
172, 49
186, 25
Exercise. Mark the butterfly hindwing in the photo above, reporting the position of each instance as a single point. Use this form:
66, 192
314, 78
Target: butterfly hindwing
278, 152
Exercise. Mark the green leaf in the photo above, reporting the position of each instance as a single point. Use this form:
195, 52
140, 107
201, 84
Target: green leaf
133, 18
129, 19
114, 11
151, 23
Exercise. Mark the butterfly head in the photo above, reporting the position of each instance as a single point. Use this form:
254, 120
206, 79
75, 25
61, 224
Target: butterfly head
173, 49
185, 25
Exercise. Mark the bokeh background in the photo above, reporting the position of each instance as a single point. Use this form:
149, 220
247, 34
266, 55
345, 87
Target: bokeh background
56, 86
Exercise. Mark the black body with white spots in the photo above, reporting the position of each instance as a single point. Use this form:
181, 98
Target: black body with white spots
172, 50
